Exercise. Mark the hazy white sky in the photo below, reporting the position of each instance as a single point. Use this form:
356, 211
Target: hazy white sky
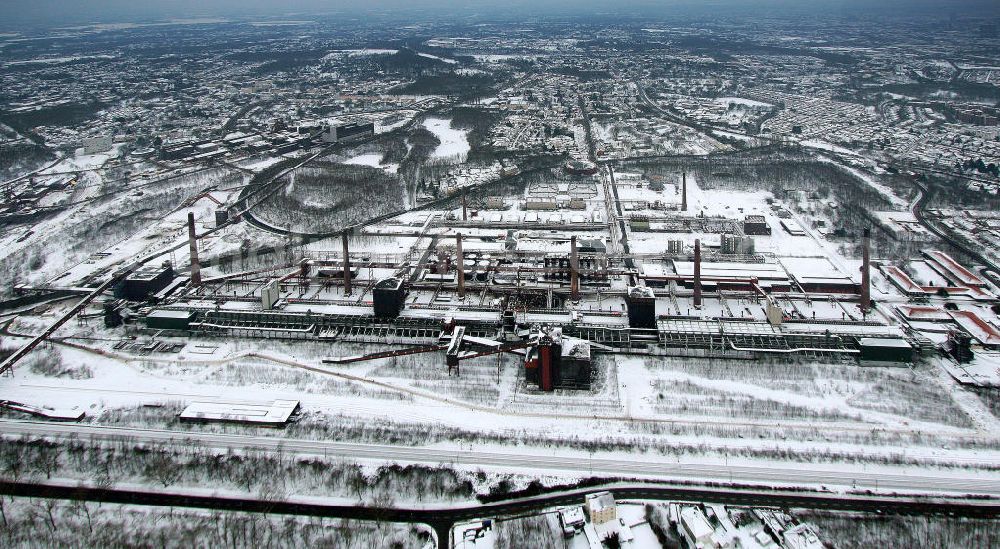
75, 11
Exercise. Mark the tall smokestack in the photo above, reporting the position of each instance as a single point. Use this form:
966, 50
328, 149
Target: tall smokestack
344, 236
697, 273
684, 191
193, 241
461, 265
574, 271
465, 208
866, 291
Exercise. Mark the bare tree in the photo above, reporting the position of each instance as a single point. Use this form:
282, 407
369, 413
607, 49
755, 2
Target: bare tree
81, 508
357, 481
14, 460
46, 457
49, 506
163, 468
102, 477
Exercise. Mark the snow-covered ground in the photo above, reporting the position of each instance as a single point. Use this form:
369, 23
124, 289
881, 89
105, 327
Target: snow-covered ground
454, 142
881, 188
372, 159
742, 101
821, 408
443, 59
81, 162
360, 52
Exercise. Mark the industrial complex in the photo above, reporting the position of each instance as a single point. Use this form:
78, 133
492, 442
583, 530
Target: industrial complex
557, 291
591, 282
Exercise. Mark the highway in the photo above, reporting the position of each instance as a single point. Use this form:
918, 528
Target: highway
537, 461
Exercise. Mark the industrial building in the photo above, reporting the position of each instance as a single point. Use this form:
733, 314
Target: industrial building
175, 320
641, 304
276, 414
519, 301
145, 282
736, 244
559, 362
756, 225
348, 132
885, 350
388, 296
581, 167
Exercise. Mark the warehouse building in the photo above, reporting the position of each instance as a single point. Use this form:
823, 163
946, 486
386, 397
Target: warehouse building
348, 132
276, 414
145, 281
170, 320
885, 350
756, 225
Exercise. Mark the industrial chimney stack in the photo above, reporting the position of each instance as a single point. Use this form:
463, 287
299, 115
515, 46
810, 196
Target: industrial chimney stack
344, 237
193, 241
574, 271
460, 266
697, 273
684, 191
866, 282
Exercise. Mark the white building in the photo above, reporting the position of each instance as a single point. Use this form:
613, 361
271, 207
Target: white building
571, 519
601, 507
695, 528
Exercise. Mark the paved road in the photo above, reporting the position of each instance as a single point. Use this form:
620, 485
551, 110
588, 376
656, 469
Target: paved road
536, 461
442, 518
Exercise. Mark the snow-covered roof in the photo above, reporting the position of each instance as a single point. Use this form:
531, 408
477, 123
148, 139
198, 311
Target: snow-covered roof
600, 501
276, 413
696, 523
884, 342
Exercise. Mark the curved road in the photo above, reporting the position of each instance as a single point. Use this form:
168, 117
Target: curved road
442, 518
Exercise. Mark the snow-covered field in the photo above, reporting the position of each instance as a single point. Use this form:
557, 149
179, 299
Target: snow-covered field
454, 143
372, 159
741, 101
438, 58
799, 409
360, 52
